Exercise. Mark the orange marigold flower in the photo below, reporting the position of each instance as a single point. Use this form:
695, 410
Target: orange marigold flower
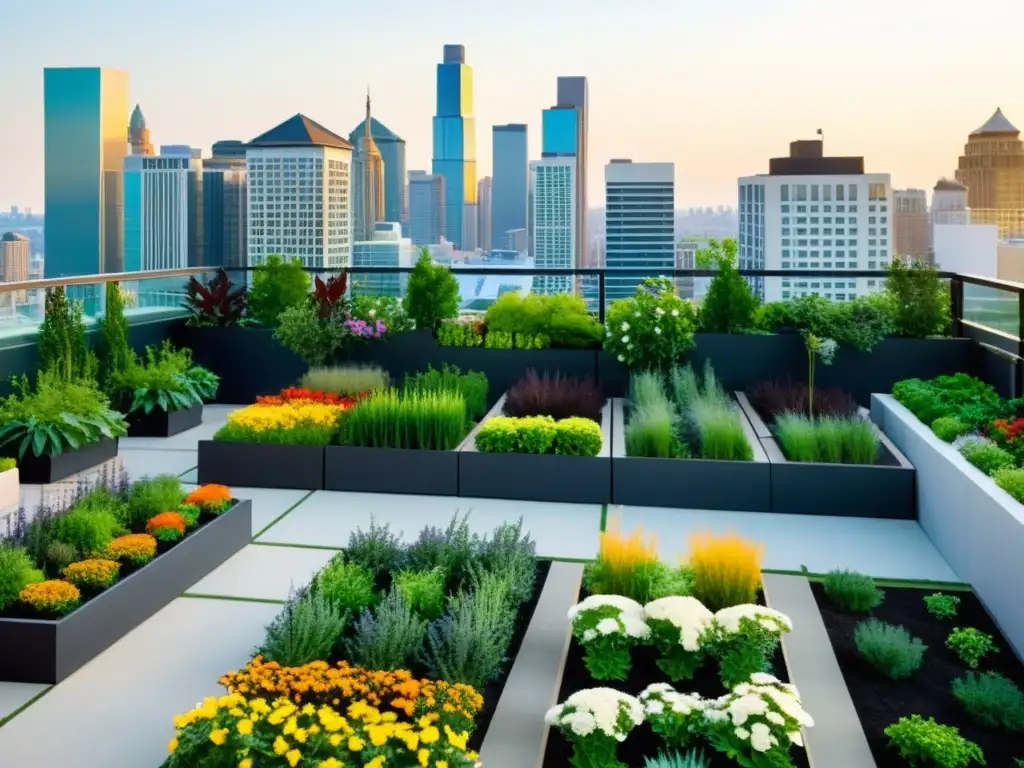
53, 596
211, 495
166, 520
92, 573
137, 548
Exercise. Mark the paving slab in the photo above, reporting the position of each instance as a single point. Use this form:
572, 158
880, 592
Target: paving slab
118, 710
16, 695
214, 417
263, 573
327, 518
149, 463
893, 549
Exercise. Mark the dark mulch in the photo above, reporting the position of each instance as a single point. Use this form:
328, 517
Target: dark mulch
880, 702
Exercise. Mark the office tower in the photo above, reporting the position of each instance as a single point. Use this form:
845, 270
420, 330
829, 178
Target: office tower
949, 203
992, 169
484, 213
573, 92
639, 222
225, 212
815, 212
960, 244
455, 142
163, 209
686, 258
911, 228
392, 151
307, 168
510, 183
85, 112
517, 240
427, 217
387, 248
14, 261
367, 183
138, 133
554, 220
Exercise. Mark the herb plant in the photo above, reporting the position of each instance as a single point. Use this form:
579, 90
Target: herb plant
17, 571
349, 587
987, 457
431, 421
925, 742
991, 700
970, 645
942, 606
389, 637
889, 649
852, 591
345, 380
305, 630
423, 591
471, 386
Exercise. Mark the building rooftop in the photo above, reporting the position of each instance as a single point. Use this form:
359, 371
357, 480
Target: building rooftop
949, 185
379, 131
138, 120
12, 237
300, 131
996, 124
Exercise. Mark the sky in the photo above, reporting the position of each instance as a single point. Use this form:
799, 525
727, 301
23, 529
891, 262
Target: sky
717, 87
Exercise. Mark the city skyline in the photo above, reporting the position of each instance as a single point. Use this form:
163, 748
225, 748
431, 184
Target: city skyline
713, 119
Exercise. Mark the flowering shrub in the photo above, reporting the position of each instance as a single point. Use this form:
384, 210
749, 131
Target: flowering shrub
607, 626
363, 329
94, 573
253, 733
294, 422
651, 329
726, 569
292, 394
678, 625
210, 498
595, 721
136, 548
167, 526
339, 685
51, 596
743, 640
676, 717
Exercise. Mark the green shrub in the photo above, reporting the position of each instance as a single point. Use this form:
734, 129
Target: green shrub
919, 298
925, 742
852, 591
345, 380
388, 638
472, 386
949, 428
348, 586
306, 630
652, 329
378, 548
577, 436
959, 395
460, 332
16, 572
423, 591
988, 457
452, 549
277, 285
970, 645
511, 553
59, 556
64, 352
388, 309
429, 421
161, 380
432, 294
797, 437
114, 350
720, 430
540, 434
562, 319
889, 649
729, 305
88, 531
860, 323
990, 700
313, 338
1011, 480
942, 606
149, 497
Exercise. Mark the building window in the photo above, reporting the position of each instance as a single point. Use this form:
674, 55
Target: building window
799, 192
875, 192
784, 193
814, 192
839, 195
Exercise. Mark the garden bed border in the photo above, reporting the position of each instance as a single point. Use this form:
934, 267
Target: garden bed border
41, 651
46, 469
689, 483
161, 423
261, 465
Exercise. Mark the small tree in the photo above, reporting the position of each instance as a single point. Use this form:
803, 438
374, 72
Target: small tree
920, 300
432, 294
54, 343
730, 305
277, 286
816, 347
115, 352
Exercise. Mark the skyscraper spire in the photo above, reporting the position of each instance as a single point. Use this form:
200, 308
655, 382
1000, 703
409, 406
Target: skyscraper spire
368, 170
367, 133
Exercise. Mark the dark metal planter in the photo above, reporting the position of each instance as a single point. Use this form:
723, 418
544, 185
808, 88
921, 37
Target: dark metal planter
537, 477
40, 651
41, 470
881, 490
261, 465
391, 470
161, 423
689, 483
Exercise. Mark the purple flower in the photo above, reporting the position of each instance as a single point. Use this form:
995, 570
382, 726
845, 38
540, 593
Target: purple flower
381, 328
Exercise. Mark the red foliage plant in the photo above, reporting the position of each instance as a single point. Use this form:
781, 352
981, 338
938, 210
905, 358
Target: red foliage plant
218, 303
289, 394
329, 296
556, 396
771, 398
1006, 432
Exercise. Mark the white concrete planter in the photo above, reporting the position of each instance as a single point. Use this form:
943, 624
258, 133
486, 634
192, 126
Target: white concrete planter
975, 525
10, 489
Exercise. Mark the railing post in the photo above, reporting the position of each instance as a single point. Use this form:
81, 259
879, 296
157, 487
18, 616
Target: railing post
956, 306
600, 296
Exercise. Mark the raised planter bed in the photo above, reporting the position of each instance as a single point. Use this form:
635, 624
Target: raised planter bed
262, 465
392, 470
976, 526
537, 477
688, 483
161, 423
42, 470
40, 651
10, 488
881, 490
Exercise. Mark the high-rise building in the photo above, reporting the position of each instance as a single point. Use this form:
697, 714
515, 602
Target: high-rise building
392, 151
992, 169
949, 203
85, 113
387, 248
367, 183
14, 263
639, 222
484, 213
554, 220
510, 183
815, 212
299, 186
225, 211
427, 217
574, 92
911, 228
138, 133
163, 210
455, 143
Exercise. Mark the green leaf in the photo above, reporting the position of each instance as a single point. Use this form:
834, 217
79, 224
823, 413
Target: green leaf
24, 446
38, 442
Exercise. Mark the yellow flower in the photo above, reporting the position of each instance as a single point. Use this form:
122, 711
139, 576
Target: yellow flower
300, 735
334, 740
378, 734
457, 740
172, 745
290, 726
356, 744
441, 764
430, 734
330, 762
293, 757
424, 757
245, 727
219, 736
280, 746
246, 763
377, 762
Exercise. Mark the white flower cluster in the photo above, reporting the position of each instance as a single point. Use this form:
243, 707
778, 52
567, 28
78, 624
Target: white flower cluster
730, 620
597, 709
621, 616
686, 613
660, 698
764, 712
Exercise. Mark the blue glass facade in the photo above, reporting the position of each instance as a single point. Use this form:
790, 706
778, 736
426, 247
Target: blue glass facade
510, 181
455, 139
132, 221
560, 132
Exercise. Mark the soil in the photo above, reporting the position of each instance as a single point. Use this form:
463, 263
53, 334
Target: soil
880, 702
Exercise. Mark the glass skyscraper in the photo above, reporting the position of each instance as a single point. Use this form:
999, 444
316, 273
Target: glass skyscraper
85, 142
509, 183
392, 150
560, 132
455, 140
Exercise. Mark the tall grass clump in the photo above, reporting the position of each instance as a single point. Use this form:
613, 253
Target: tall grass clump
345, 380
472, 386
651, 431
726, 569
685, 388
797, 437
424, 420
860, 441
828, 439
626, 565
646, 387
720, 430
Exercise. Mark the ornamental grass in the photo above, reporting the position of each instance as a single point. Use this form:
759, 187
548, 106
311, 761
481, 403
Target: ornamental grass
345, 380
53, 596
430, 421
626, 565
95, 573
726, 569
299, 422
135, 548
